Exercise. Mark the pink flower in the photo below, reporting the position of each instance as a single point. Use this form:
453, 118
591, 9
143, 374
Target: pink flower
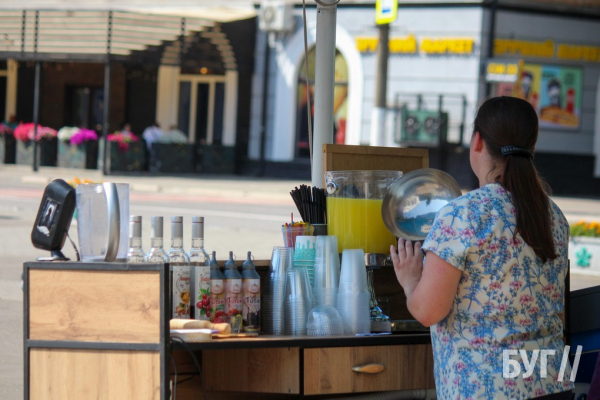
526, 322
495, 285
502, 307
526, 299
448, 231
25, 132
481, 242
83, 135
445, 340
468, 232
548, 289
516, 285
516, 242
493, 247
556, 296
461, 366
510, 382
540, 392
478, 341
529, 379
534, 310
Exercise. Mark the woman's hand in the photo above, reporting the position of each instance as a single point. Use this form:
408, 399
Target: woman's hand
408, 264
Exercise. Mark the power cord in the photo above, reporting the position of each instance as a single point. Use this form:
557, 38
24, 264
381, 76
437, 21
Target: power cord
74, 247
185, 345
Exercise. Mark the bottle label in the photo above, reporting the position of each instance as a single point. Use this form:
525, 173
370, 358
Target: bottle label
233, 297
202, 292
181, 292
216, 313
251, 305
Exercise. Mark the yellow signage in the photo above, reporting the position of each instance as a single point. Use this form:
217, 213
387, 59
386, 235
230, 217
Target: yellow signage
502, 71
386, 11
578, 53
409, 45
524, 48
447, 46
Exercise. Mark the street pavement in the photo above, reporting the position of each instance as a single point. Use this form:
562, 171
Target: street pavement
240, 213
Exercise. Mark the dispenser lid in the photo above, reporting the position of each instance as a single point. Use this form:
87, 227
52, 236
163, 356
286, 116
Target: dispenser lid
213, 261
412, 202
230, 264
248, 264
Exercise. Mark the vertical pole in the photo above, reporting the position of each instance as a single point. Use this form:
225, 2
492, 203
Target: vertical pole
106, 110
463, 119
265, 103
379, 110
491, 39
36, 92
36, 109
324, 84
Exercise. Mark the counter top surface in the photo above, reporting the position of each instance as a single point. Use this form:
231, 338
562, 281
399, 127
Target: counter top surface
271, 341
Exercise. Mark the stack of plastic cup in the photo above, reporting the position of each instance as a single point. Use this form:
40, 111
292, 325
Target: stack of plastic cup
298, 301
354, 295
327, 271
272, 305
305, 253
324, 321
290, 233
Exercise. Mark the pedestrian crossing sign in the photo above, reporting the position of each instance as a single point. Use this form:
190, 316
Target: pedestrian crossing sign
386, 11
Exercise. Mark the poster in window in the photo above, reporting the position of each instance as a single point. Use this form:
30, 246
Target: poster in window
554, 92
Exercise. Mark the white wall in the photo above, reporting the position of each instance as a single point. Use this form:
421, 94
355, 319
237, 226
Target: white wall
561, 30
418, 73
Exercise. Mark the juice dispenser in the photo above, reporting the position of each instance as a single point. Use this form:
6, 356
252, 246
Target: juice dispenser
354, 200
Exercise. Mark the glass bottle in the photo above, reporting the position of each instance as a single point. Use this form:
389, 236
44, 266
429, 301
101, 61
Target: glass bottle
180, 271
251, 306
200, 264
135, 254
157, 254
216, 313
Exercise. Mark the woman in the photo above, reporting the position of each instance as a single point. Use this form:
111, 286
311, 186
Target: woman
494, 269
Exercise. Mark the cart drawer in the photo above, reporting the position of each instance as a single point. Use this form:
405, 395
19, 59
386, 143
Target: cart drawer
330, 370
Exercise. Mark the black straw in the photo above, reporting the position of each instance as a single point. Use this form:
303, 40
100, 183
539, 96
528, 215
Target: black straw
311, 203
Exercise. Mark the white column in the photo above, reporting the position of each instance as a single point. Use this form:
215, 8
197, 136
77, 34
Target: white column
230, 117
324, 84
11, 88
167, 96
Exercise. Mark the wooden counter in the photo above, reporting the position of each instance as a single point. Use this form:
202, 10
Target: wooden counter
100, 330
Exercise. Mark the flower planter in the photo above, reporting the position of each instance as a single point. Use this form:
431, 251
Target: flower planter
130, 159
584, 254
83, 156
47, 152
171, 158
215, 159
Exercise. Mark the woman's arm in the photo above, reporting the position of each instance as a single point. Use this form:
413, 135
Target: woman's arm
430, 289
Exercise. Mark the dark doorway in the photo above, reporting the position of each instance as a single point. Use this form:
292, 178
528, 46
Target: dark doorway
84, 107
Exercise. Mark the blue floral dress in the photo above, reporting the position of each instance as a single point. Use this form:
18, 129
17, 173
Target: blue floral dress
506, 299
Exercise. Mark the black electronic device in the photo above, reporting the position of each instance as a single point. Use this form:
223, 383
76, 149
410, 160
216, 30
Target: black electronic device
54, 219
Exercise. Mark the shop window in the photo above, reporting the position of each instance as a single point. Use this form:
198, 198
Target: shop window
340, 102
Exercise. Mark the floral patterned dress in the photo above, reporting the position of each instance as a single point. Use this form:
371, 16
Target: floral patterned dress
507, 299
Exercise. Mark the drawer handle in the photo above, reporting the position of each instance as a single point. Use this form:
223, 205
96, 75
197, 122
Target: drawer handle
369, 368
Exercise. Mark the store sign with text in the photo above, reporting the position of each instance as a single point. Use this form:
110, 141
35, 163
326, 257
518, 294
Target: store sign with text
546, 49
410, 45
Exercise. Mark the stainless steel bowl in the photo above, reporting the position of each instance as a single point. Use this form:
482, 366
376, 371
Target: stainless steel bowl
412, 202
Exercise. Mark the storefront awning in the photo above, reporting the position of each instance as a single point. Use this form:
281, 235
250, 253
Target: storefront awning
93, 34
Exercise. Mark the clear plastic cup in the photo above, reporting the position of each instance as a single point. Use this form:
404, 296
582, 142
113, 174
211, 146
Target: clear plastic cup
291, 232
327, 263
353, 275
324, 321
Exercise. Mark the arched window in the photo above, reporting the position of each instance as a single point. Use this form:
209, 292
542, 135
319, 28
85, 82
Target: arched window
340, 100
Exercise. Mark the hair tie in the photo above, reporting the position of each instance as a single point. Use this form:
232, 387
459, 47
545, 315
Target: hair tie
516, 151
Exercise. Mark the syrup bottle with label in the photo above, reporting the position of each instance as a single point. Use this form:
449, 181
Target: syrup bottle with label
216, 314
251, 292
180, 271
233, 294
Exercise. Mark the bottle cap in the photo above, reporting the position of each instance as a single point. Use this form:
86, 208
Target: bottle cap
177, 227
213, 261
135, 226
198, 227
248, 264
157, 227
230, 264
